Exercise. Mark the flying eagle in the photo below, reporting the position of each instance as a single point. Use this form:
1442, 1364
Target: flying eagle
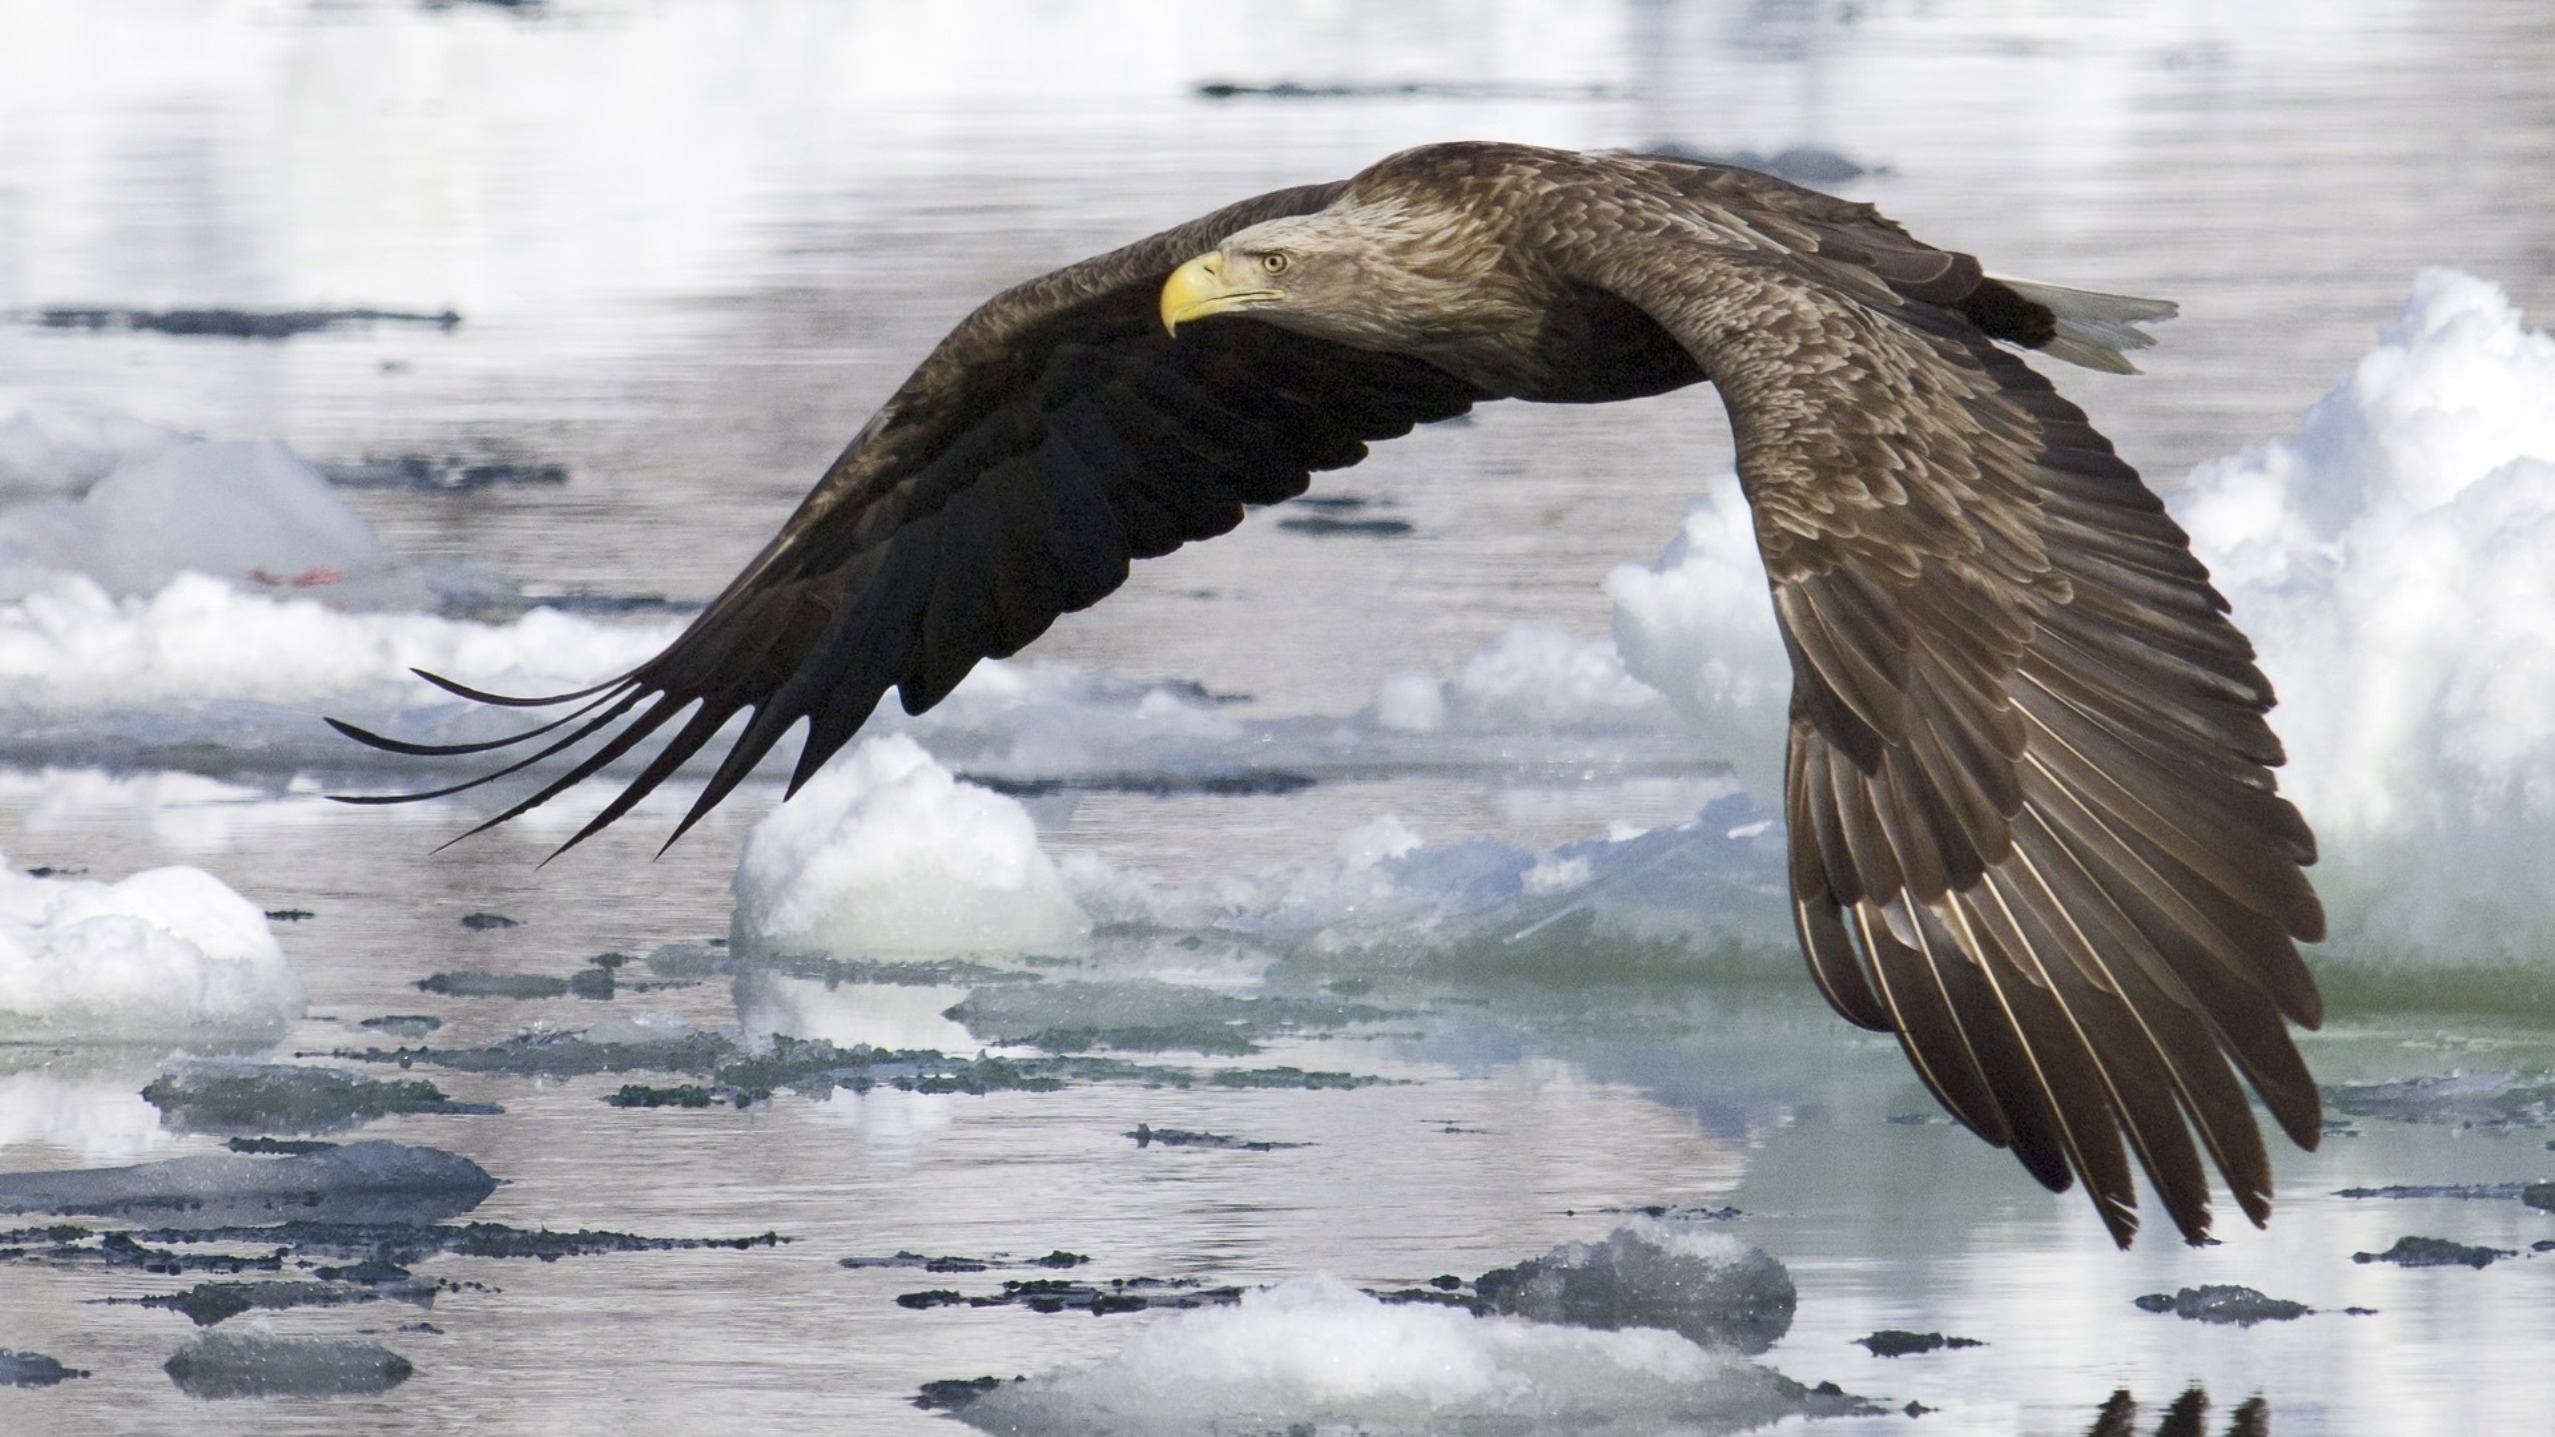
2033, 826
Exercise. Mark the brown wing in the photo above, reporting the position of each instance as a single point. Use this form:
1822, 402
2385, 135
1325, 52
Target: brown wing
2032, 821
1053, 436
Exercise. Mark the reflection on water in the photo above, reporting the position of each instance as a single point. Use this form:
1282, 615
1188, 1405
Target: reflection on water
2185, 1418
692, 244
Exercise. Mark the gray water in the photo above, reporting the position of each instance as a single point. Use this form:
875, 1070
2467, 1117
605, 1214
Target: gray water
693, 245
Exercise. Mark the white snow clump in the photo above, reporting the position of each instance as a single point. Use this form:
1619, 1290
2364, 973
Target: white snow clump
1698, 626
1532, 677
1313, 1351
169, 957
2394, 563
884, 852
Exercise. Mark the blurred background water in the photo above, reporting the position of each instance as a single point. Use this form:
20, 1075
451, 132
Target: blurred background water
691, 245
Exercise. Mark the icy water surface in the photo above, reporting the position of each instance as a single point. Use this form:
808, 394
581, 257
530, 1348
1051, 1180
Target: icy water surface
1250, 1029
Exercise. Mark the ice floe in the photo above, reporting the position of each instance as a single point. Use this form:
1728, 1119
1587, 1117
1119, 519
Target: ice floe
367, 1182
263, 1364
48, 450
170, 956
1706, 1286
1313, 1352
885, 852
1699, 627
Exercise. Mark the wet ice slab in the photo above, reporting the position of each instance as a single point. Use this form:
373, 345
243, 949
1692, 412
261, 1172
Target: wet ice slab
216, 1365
366, 1182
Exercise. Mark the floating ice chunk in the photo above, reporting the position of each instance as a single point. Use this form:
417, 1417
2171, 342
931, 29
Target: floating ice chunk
1536, 677
69, 644
169, 956
884, 852
233, 509
2390, 562
51, 449
1707, 1286
1411, 703
1379, 838
1698, 626
261, 1364
1313, 1352
367, 1182
1712, 886
1531, 678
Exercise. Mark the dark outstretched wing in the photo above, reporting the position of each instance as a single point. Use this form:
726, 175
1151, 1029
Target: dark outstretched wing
1053, 436
2033, 824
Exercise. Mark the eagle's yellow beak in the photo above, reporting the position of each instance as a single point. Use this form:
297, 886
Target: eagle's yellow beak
1198, 289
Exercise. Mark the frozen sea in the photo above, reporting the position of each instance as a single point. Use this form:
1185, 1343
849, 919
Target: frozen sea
1368, 902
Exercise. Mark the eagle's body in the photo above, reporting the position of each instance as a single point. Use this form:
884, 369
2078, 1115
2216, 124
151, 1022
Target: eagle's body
2033, 828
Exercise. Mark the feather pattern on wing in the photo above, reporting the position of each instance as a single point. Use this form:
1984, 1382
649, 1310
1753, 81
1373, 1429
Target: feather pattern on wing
2033, 826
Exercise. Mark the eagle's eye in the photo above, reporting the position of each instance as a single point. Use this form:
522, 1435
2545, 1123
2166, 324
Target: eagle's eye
1273, 262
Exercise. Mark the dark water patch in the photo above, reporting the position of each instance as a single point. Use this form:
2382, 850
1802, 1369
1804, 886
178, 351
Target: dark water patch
373, 1254
483, 922
494, 985
952, 1393
1323, 526
34, 1369
1099, 1299
2444, 1190
1059, 1259
1146, 1136
70, 1245
685, 1095
441, 473
1673, 1212
1247, 783
1333, 503
816, 1068
1899, 1342
2435, 1252
2223, 1303
208, 1304
235, 323
275, 1098
218, 1365
359, 1182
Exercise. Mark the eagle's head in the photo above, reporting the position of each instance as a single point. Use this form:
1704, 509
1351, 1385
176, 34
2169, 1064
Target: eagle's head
1377, 276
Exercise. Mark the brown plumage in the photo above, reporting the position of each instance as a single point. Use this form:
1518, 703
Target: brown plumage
2033, 827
